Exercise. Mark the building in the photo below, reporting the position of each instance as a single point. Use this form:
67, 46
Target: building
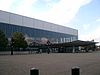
35, 29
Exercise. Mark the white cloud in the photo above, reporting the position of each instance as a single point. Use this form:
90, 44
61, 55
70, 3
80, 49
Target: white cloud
86, 2
25, 7
47, 0
98, 19
92, 35
5, 4
63, 11
86, 26
96, 34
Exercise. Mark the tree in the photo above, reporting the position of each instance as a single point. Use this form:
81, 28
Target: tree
18, 40
3, 39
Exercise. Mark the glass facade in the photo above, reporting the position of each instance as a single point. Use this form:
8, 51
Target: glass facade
36, 34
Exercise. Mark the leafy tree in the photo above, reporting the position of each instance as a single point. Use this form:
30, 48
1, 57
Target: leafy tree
3, 39
18, 40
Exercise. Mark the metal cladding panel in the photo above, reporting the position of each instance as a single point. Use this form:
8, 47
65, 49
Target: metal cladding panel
7, 17
34, 25
47, 26
38, 24
4, 17
28, 22
15, 19
56, 28
53, 27
68, 30
62, 29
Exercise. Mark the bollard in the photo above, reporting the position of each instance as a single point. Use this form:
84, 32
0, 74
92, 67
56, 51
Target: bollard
11, 51
75, 70
34, 71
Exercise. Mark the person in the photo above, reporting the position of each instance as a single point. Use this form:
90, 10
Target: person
11, 50
48, 50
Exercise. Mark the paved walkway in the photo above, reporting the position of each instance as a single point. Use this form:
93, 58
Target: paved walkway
50, 64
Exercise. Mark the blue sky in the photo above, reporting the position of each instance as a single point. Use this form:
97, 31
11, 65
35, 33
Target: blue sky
83, 15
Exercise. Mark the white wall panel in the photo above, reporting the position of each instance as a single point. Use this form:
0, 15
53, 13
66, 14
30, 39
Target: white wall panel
41, 24
15, 19
38, 24
28, 22
35, 23
4, 17
7, 17
54, 27
47, 26
33, 26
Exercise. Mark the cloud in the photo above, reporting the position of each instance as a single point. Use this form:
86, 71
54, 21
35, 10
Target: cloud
47, 0
63, 11
86, 26
86, 2
92, 35
25, 7
98, 19
60, 12
5, 5
96, 34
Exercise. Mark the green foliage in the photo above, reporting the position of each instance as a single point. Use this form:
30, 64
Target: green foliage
3, 39
18, 40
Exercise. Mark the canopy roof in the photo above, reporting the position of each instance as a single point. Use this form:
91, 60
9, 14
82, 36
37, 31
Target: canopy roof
74, 43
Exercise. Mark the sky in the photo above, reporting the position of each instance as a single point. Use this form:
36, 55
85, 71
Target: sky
83, 15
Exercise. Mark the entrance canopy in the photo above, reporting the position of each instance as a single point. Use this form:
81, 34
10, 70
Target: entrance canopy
74, 43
